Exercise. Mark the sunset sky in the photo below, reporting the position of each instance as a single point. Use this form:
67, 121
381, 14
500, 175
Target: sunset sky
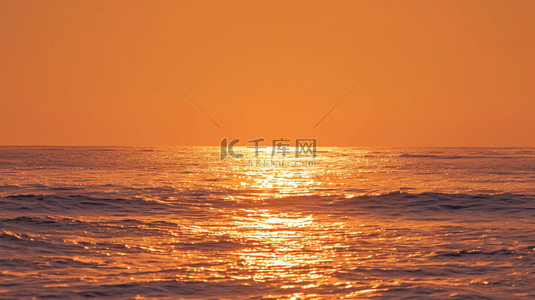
445, 73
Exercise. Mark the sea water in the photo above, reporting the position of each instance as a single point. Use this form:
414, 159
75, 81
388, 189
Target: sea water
179, 223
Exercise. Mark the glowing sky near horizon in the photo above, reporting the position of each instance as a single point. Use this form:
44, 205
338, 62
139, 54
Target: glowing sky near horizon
447, 73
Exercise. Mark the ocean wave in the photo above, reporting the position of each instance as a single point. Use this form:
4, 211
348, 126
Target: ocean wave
436, 206
433, 156
476, 252
438, 156
446, 201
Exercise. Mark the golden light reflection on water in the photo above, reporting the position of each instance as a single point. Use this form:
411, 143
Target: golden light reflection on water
279, 244
297, 251
290, 244
231, 223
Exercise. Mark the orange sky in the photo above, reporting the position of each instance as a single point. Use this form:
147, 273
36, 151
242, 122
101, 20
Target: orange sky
448, 73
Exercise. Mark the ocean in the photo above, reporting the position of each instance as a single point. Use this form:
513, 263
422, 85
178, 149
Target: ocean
351, 223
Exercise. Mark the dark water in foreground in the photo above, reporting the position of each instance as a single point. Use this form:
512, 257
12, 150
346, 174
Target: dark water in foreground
78, 222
